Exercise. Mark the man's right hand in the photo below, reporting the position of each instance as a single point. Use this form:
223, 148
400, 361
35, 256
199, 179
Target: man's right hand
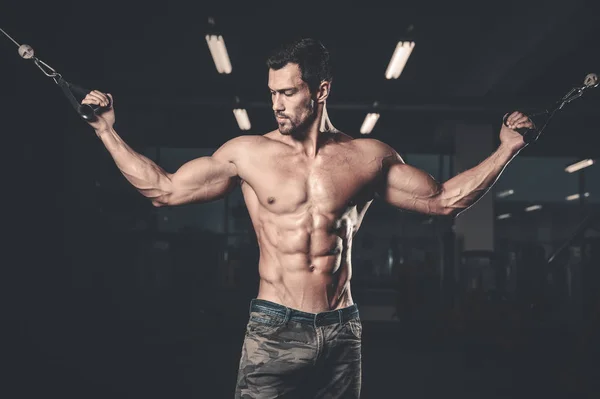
106, 119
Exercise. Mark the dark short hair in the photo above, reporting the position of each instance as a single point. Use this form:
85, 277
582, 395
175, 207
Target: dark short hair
311, 56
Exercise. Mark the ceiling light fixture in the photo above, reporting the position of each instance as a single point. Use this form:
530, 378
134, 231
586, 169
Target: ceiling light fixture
399, 59
218, 50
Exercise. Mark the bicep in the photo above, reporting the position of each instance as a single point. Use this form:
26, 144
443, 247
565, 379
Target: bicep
410, 188
204, 179
201, 171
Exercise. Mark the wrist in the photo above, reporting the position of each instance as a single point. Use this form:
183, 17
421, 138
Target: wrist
507, 150
103, 132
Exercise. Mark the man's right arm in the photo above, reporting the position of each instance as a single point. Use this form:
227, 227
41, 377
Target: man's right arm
200, 180
203, 179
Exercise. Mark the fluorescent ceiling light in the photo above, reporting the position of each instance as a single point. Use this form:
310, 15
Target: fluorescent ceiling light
216, 45
576, 196
533, 208
504, 216
579, 165
398, 60
241, 116
505, 193
369, 123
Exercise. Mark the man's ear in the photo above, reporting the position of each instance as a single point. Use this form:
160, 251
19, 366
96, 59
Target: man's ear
323, 91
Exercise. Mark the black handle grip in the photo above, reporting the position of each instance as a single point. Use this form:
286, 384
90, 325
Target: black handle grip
75, 94
529, 134
88, 111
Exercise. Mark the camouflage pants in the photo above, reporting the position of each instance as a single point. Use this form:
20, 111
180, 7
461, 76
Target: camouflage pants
292, 354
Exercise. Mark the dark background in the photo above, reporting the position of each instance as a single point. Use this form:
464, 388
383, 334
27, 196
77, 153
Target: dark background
103, 299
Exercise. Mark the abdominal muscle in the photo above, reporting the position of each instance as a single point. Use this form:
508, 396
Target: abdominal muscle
304, 262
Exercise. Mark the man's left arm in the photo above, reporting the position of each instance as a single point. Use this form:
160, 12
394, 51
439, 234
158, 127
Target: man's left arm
410, 188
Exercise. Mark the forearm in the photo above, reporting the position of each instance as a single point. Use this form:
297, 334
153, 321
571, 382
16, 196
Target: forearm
145, 175
466, 188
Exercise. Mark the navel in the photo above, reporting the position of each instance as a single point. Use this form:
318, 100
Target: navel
311, 268
271, 200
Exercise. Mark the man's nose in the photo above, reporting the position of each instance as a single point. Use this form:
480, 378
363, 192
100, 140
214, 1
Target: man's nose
277, 103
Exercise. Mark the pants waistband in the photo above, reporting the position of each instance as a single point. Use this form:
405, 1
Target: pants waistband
316, 319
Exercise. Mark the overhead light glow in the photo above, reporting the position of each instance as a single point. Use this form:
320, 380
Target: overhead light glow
533, 208
505, 193
399, 59
576, 196
369, 123
504, 216
579, 165
216, 45
241, 116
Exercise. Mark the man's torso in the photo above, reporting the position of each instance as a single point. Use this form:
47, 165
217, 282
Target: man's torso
305, 211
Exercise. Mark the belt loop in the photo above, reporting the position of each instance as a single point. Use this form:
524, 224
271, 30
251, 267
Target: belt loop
288, 315
340, 316
250, 307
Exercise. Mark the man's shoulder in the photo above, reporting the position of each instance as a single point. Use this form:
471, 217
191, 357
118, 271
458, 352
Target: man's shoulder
245, 143
272, 137
245, 140
371, 145
249, 146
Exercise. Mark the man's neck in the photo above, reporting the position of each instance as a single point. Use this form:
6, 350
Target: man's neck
317, 133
